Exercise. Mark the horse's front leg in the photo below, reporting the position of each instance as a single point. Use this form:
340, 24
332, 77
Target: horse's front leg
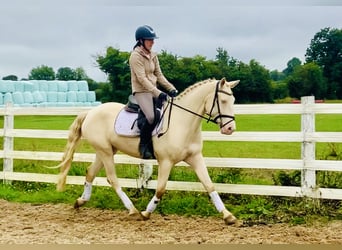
163, 175
198, 164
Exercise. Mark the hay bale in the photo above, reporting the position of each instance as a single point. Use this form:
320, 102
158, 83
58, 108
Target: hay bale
81, 96
37, 97
51, 96
83, 86
3, 86
61, 97
18, 97
28, 98
52, 86
91, 96
28, 86
43, 86
62, 86
18, 86
71, 96
8, 98
72, 86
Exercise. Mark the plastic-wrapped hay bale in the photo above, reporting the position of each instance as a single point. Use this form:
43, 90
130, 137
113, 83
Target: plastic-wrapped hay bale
10, 86
18, 97
71, 96
37, 97
28, 98
8, 98
61, 97
83, 86
95, 103
91, 96
44, 95
62, 86
19, 86
51, 96
35, 84
53, 86
3, 86
43, 86
28, 86
81, 96
72, 86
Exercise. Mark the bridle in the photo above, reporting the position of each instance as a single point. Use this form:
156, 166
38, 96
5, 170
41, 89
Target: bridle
207, 118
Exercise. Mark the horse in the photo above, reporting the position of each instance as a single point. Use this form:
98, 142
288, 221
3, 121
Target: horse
181, 140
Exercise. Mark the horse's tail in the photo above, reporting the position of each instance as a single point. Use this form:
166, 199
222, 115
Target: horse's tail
75, 134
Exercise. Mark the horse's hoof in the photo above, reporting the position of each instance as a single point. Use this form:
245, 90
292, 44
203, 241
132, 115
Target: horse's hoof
230, 220
145, 215
79, 203
134, 214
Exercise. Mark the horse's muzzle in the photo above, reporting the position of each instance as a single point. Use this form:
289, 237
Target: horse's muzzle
228, 129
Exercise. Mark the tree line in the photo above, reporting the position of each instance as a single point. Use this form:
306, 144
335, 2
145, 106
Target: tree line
320, 75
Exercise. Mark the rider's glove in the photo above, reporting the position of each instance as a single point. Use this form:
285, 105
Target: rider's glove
162, 97
173, 92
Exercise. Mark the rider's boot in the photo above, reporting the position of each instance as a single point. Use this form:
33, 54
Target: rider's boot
145, 145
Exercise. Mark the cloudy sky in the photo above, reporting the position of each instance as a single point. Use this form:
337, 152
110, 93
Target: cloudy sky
70, 33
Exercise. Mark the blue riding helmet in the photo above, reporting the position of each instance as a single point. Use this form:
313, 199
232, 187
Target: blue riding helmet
145, 32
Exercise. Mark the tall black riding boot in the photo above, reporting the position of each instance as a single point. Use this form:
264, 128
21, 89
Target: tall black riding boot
145, 145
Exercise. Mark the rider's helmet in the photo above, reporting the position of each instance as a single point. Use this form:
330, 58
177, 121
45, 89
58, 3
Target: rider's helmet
145, 32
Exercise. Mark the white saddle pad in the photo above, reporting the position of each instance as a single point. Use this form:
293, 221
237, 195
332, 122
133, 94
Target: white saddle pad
126, 124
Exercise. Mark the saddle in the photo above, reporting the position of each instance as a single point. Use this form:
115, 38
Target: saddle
127, 122
132, 106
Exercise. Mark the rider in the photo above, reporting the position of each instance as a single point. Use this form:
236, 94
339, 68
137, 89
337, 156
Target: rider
145, 74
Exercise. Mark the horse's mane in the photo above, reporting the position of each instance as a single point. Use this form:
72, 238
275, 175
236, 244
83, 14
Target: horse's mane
193, 86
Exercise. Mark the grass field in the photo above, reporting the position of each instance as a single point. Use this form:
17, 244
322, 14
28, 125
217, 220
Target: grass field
271, 209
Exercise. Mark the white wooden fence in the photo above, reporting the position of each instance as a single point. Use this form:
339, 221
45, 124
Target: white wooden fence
307, 164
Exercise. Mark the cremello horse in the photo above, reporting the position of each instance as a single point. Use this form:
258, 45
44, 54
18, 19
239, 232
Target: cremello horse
181, 142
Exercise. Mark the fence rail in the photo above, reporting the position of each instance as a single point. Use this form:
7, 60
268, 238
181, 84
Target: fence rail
308, 165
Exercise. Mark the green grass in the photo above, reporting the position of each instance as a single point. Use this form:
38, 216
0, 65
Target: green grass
252, 209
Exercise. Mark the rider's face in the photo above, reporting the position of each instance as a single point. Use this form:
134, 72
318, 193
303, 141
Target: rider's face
148, 43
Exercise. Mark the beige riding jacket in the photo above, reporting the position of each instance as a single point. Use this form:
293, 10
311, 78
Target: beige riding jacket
146, 72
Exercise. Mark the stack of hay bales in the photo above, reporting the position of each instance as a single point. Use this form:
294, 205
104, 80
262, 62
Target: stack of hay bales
41, 93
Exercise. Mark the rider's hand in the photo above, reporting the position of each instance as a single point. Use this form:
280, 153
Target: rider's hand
173, 92
162, 97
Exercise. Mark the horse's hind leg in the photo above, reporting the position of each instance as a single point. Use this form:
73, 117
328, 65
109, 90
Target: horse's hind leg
163, 175
92, 171
108, 161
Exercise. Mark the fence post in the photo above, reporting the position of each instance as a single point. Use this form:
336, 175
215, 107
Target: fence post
308, 176
8, 140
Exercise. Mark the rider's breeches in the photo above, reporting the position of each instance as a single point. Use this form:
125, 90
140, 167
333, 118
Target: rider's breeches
145, 101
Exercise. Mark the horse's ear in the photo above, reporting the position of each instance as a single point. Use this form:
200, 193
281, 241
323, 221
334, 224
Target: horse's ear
222, 81
232, 84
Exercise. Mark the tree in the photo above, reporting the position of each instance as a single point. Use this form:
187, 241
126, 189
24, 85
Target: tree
80, 74
42, 73
307, 80
10, 77
291, 66
326, 51
65, 74
115, 64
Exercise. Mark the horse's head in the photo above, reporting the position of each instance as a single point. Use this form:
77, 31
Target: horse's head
219, 106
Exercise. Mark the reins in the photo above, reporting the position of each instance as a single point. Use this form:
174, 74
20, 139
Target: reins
207, 118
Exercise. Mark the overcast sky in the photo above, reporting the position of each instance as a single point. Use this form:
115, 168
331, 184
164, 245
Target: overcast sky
69, 33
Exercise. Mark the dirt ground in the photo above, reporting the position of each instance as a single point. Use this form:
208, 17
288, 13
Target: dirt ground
62, 224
